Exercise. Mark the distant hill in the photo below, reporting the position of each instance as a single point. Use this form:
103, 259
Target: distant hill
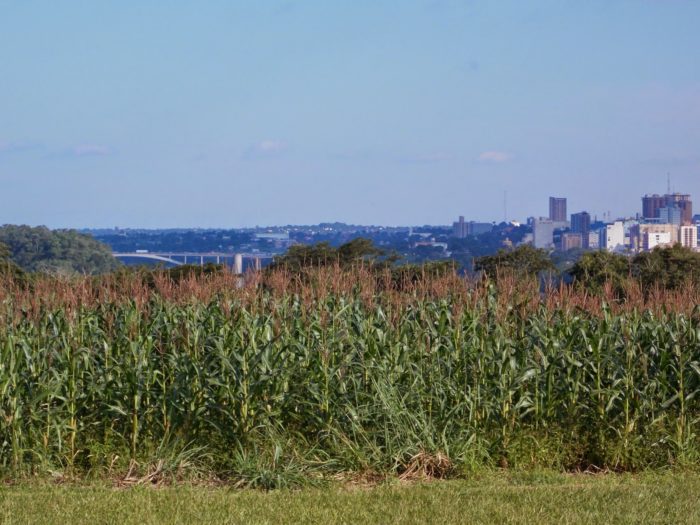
56, 251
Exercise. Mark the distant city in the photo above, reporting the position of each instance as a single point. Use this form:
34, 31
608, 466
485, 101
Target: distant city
663, 220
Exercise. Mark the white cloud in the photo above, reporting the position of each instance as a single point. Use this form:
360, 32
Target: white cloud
266, 149
494, 157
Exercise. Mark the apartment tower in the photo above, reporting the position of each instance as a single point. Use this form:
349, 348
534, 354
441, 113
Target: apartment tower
557, 209
581, 223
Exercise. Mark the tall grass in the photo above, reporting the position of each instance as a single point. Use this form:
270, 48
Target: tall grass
286, 379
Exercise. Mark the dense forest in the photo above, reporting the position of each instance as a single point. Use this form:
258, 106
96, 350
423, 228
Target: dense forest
54, 251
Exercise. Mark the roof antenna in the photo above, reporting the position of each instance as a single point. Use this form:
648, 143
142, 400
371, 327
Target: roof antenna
505, 206
668, 178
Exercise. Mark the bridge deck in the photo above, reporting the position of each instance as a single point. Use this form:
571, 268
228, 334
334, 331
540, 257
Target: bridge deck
180, 258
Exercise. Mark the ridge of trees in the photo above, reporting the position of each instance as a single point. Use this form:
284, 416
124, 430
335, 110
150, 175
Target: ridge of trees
39, 249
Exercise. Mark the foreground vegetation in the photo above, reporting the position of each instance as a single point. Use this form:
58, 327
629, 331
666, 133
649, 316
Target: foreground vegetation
510, 498
291, 379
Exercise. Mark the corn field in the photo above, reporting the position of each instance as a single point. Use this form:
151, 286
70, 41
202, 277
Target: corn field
288, 381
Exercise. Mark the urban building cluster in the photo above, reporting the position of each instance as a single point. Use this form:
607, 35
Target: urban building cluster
665, 220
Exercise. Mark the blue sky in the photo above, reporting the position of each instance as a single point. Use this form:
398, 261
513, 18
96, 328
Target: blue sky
228, 114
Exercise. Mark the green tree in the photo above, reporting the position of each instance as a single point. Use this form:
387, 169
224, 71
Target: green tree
7, 267
524, 260
303, 256
594, 269
358, 250
56, 251
668, 268
404, 275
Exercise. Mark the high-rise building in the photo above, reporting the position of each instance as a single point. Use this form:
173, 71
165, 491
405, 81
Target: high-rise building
689, 236
612, 237
670, 215
651, 204
557, 209
459, 228
543, 233
682, 201
581, 223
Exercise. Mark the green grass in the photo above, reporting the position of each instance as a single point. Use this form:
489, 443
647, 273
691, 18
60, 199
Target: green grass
494, 498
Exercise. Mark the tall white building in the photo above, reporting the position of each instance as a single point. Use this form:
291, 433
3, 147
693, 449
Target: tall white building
543, 233
689, 236
612, 237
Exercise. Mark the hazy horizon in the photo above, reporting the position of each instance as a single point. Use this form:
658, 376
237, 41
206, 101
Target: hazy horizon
230, 114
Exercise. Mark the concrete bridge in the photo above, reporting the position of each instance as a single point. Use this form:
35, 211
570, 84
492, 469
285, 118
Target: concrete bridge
233, 260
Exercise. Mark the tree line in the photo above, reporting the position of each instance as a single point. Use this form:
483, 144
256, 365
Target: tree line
24, 250
666, 268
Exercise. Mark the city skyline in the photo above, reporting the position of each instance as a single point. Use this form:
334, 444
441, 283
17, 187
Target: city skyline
241, 114
662, 221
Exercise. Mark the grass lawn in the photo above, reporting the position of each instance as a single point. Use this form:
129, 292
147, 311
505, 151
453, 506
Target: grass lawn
494, 498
